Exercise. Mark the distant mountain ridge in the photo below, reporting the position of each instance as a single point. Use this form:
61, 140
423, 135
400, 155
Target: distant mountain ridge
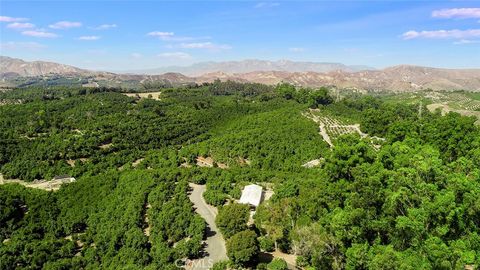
253, 65
400, 78
12, 66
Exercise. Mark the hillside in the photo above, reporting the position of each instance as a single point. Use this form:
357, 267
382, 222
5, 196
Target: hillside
398, 78
10, 67
254, 65
358, 183
403, 78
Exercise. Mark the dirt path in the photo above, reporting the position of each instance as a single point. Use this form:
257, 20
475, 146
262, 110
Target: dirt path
314, 163
52, 185
154, 95
325, 125
215, 244
356, 127
289, 258
323, 130
148, 226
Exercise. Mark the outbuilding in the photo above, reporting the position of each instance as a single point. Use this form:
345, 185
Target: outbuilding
63, 179
252, 195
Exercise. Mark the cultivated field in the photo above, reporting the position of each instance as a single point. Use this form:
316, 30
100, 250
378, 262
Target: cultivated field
331, 128
456, 100
466, 104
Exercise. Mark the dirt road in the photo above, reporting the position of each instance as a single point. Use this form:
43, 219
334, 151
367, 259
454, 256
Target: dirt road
52, 185
323, 130
215, 244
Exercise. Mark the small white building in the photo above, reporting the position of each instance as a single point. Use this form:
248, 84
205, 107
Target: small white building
63, 179
252, 195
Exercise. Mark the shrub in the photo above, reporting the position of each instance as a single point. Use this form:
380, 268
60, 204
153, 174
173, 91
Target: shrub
266, 243
214, 197
223, 265
302, 261
261, 266
277, 264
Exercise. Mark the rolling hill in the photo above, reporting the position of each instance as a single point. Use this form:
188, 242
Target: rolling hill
400, 78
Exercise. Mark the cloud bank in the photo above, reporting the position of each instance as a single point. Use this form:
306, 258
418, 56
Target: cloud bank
65, 25
170, 36
466, 41
460, 13
105, 26
39, 34
11, 19
18, 25
161, 35
89, 38
442, 34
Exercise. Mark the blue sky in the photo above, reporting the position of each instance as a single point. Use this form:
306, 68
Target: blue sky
129, 35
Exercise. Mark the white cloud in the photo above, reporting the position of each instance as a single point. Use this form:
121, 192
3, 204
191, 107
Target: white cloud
18, 25
161, 35
11, 19
170, 36
12, 45
39, 34
88, 38
175, 55
267, 5
65, 25
442, 34
460, 13
466, 41
136, 55
296, 49
205, 45
105, 26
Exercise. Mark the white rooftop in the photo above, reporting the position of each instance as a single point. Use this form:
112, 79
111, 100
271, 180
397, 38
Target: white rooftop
251, 194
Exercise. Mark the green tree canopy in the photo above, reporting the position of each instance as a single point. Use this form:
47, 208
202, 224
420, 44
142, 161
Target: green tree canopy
242, 247
232, 218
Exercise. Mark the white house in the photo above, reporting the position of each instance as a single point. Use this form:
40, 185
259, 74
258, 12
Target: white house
252, 195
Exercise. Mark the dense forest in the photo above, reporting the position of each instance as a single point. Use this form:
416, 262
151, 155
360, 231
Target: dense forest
408, 201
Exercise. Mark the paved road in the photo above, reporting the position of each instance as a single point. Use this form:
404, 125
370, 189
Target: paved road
215, 244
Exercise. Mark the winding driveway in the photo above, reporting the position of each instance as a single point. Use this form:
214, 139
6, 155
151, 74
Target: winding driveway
215, 244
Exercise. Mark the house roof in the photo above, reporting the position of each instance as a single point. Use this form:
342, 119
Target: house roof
251, 194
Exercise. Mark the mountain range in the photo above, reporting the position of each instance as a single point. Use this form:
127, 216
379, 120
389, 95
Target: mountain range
309, 74
252, 65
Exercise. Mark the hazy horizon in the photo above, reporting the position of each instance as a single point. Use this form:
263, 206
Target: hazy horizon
132, 36
165, 69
